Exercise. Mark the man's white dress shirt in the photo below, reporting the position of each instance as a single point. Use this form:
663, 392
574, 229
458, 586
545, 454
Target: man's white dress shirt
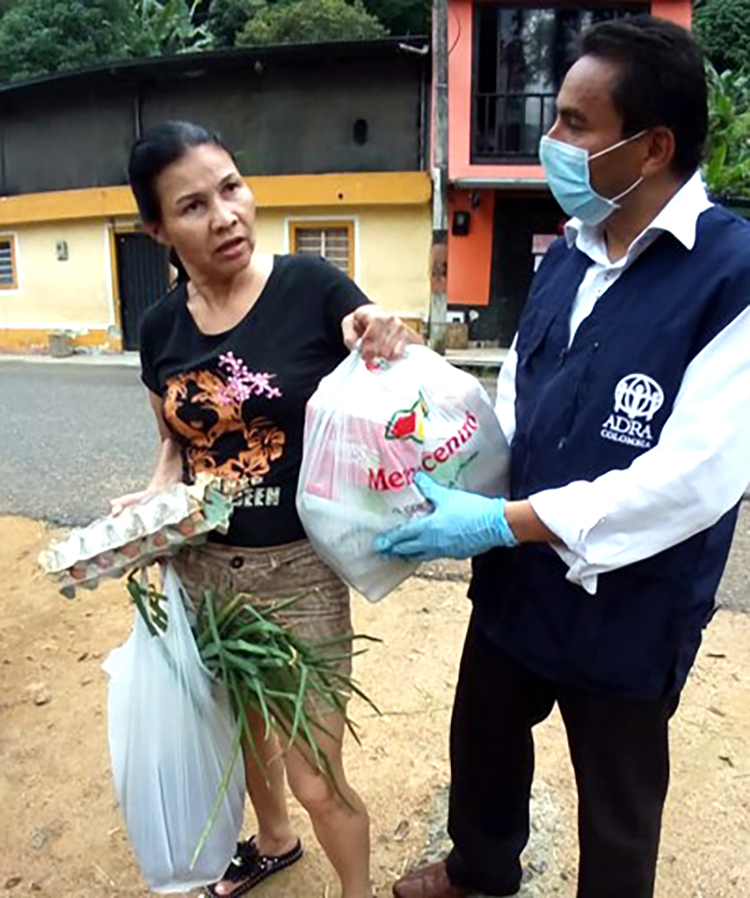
700, 467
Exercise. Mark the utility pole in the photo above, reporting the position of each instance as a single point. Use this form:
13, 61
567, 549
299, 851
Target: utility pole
438, 321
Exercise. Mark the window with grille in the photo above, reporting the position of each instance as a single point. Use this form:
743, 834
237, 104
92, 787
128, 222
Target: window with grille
333, 240
521, 55
8, 275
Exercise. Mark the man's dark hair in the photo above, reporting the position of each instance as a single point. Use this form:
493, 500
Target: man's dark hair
661, 81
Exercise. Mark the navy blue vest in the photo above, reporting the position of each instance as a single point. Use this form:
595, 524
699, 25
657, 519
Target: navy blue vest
638, 636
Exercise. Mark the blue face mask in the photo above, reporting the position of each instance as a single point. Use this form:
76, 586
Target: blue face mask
569, 178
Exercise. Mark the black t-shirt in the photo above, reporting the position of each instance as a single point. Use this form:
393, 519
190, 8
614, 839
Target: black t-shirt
236, 401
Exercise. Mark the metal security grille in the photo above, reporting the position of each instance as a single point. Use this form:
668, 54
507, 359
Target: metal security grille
332, 242
521, 55
7, 263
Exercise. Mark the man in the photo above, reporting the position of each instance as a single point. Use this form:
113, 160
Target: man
626, 400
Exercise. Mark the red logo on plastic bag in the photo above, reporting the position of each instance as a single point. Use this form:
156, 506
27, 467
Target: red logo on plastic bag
380, 479
408, 424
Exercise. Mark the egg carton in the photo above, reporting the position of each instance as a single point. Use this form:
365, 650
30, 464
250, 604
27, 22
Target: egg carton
159, 526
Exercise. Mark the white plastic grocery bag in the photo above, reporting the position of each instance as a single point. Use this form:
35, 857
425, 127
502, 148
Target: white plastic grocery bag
368, 430
171, 735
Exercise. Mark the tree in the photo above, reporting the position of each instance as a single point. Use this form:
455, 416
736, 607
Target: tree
5, 5
402, 17
42, 37
727, 167
309, 21
39, 37
723, 30
227, 18
165, 27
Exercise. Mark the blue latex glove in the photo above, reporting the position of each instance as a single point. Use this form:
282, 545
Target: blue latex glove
461, 525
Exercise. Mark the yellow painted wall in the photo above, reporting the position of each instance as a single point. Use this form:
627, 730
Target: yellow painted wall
391, 256
391, 252
343, 190
75, 294
392, 248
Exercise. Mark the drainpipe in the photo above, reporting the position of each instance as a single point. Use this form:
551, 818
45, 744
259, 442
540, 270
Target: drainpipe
439, 250
138, 111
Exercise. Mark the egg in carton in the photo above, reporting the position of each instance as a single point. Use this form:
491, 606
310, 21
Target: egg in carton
157, 527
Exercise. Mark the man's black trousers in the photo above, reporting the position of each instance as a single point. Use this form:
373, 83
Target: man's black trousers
620, 755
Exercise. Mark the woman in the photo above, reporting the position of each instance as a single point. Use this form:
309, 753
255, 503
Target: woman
230, 357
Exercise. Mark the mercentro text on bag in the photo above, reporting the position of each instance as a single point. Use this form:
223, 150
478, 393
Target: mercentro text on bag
368, 430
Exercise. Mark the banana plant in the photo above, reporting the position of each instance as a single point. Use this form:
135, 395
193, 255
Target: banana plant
727, 165
169, 26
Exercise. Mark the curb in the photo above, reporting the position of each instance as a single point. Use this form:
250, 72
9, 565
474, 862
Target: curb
119, 360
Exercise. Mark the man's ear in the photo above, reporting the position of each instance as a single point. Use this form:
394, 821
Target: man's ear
156, 232
661, 146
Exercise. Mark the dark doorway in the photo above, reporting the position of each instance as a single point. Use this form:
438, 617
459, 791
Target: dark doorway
524, 228
143, 278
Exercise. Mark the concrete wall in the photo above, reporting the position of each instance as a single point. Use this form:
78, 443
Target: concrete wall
66, 139
391, 253
76, 294
281, 117
294, 119
391, 249
392, 246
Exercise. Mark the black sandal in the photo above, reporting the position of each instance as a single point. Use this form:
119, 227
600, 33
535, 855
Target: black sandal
249, 867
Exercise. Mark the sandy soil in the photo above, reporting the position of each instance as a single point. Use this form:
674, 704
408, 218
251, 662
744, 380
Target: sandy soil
60, 829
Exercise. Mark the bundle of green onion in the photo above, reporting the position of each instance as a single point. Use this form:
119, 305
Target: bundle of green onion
265, 668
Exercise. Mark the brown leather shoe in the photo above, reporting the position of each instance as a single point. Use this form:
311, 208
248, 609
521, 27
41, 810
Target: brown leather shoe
427, 882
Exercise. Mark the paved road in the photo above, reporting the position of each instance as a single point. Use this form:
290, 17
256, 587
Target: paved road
71, 437
74, 435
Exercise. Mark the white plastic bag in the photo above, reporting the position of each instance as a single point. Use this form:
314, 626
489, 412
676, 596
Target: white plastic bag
368, 430
171, 735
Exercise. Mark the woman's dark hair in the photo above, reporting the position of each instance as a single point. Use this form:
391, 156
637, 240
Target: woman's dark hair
661, 81
157, 149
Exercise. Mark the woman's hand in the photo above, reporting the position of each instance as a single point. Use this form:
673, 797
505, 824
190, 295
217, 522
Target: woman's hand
118, 505
168, 472
383, 335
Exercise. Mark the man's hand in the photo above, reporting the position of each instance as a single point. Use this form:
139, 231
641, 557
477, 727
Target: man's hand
383, 335
461, 525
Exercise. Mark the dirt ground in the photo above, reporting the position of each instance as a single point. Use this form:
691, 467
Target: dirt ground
60, 829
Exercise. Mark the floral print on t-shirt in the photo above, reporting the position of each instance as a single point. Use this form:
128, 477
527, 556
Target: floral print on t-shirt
210, 408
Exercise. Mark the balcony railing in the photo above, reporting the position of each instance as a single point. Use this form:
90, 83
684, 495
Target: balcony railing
507, 127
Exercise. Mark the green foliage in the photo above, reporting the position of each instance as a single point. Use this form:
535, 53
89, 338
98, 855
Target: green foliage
5, 5
39, 37
309, 21
263, 666
227, 18
723, 30
165, 27
727, 167
402, 17
42, 37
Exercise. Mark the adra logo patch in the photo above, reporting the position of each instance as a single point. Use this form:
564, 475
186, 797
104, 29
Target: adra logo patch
638, 398
408, 424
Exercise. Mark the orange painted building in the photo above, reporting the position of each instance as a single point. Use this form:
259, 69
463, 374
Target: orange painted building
505, 64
